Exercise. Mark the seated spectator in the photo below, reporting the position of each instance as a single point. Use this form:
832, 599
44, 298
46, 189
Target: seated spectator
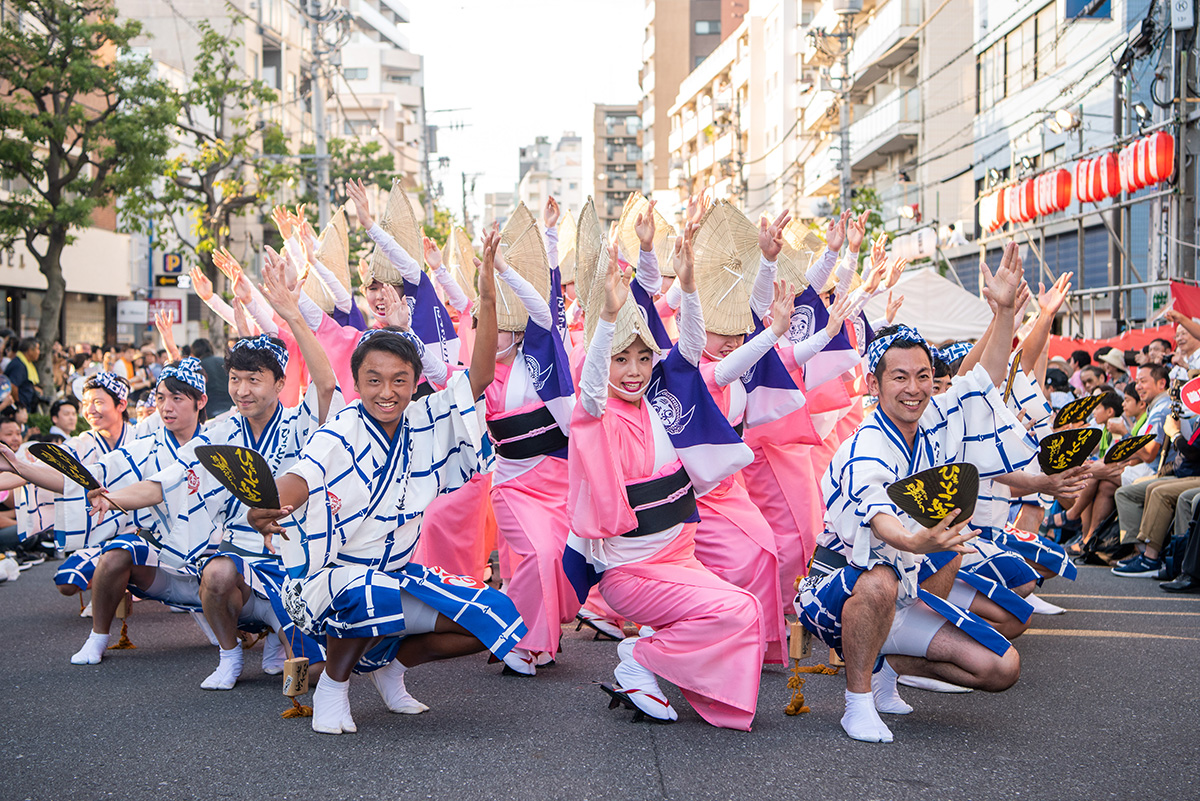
64, 416
1113, 361
1091, 378
1079, 360
23, 374
1187, 338
1058, 388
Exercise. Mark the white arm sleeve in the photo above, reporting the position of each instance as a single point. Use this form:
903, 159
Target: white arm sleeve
822, 268
648, 275
763, 291
458, 298
261, 312
341, 298
400, 258
221, 309
846, 271
810, 346
313, 316
674, 295
735, 365
552, 246
539, 310
880, 323
691, 328
593, 380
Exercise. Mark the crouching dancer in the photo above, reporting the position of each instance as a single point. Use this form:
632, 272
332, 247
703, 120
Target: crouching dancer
862, 595
358, 495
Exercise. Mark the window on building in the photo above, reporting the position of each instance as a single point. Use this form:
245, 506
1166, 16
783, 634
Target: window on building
355, 73
1049, 53
697, 61
706, 27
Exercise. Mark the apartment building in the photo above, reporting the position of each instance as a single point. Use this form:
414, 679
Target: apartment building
617, 158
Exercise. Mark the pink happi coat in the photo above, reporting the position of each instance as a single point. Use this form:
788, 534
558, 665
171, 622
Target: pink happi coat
531, 521
708, 634
736, 542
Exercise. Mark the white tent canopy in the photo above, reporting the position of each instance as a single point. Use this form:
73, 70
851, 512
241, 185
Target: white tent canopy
937, 307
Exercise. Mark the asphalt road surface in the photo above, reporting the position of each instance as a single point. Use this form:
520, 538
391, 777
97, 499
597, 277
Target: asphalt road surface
1107, 707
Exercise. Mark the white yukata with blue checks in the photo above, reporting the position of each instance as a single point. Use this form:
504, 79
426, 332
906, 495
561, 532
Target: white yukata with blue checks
968, 423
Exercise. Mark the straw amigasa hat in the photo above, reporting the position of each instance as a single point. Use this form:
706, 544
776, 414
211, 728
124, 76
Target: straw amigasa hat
459, 257
727, 257
525, 253
333, 251
589, 242
398, 220
664, 234
631, 321
801, 246
566, 248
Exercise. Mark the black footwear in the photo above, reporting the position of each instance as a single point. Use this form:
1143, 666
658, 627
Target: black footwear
26, 559
621, 698
1184, 582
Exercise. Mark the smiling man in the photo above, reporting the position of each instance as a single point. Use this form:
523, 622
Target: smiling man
862, 595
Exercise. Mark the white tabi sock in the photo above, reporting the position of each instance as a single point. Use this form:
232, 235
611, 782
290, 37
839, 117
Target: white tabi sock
862, 722
227, 672
887, 697
389, 680
331, 707
520, 660
641, 684
1041, 607
273, 655
92, 650
933, 685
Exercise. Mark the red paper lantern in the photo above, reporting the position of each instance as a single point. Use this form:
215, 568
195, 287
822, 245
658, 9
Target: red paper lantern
1001, 207
1160, 156
1141, 150
1126, 168
1110, 177
1028, 209
1083, 191
1060, 181
1094, 180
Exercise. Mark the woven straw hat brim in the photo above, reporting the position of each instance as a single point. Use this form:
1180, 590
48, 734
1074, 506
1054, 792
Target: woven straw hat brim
832, 282
631, 321
459, 257
315, 288
400, 221
589, 242
333, 250
524, 252
627, 234
566, 248
727, 257
520, 219
801, 247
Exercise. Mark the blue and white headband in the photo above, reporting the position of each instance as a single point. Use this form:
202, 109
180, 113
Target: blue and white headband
409, 335
112, 382
951, 353
264, 342
189, 371
880, 345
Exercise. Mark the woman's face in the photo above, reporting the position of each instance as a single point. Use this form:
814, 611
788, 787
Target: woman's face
629, 372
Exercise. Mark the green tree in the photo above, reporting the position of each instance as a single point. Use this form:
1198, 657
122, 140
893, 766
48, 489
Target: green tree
349, 158
86, 124
233, 157
864, 198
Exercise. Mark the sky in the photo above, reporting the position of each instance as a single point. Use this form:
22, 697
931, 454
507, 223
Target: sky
520, 69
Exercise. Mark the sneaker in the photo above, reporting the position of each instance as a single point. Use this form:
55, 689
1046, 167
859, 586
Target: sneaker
27, 559
1129, 560
1139, 567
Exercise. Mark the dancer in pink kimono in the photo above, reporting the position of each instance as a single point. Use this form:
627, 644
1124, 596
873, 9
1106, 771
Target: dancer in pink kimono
646, 440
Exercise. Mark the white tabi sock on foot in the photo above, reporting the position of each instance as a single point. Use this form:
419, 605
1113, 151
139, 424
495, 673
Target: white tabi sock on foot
389, 680
92, 650
331, 707
520, 660
273, 655
1041, 607
887, 697
227, 672
641, 684
933, 685
862, 722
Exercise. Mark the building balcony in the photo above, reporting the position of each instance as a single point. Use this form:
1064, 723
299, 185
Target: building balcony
821, 171
704, 116
873, 54
723, 146
691, 129
739, 74
648, 48
817, 110
705, 158
397, 59
675, 140
369, 17
890, 127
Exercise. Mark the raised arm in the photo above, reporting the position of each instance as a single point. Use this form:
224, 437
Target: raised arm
433, 257
163, 320
535, 304
1001, 288
483, 355
770, 242
648, 275
691, 318
397, 255
735, 365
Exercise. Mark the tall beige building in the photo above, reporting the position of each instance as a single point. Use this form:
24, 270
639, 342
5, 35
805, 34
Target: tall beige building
617, 157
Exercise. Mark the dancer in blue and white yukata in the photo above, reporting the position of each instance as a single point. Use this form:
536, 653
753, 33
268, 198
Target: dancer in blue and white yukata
863, 597
241, 580
127, 549
358, 496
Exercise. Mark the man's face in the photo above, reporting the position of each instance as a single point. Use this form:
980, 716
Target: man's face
940, 385
1184, 339
905, 385
34, 353
1090, 381
385, 383
66, 419
1155, 352
256, 394
10, 434
1147, 387
101, 412
180, 413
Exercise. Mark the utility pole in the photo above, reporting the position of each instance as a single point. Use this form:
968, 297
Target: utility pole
318, 110
1182, 215
1115, 272
846, 9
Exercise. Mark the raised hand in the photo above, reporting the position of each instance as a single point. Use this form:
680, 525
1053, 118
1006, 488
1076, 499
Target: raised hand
770, 235
275, 289
308, 239
551, 213
283, 221
835, 234
838, 312
1023, 298
1001, 288
896, 271
644, 227
893, 307
224, 261
616, 284
395, 309
487, 267
357, 193
856, 230
683, 259
163, 320
1049, 302
364, 271
433, 256
201, 285
782, 304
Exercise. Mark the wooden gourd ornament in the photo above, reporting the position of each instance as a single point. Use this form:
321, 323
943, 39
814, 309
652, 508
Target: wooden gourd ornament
295, 682
123, 609
800, 647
